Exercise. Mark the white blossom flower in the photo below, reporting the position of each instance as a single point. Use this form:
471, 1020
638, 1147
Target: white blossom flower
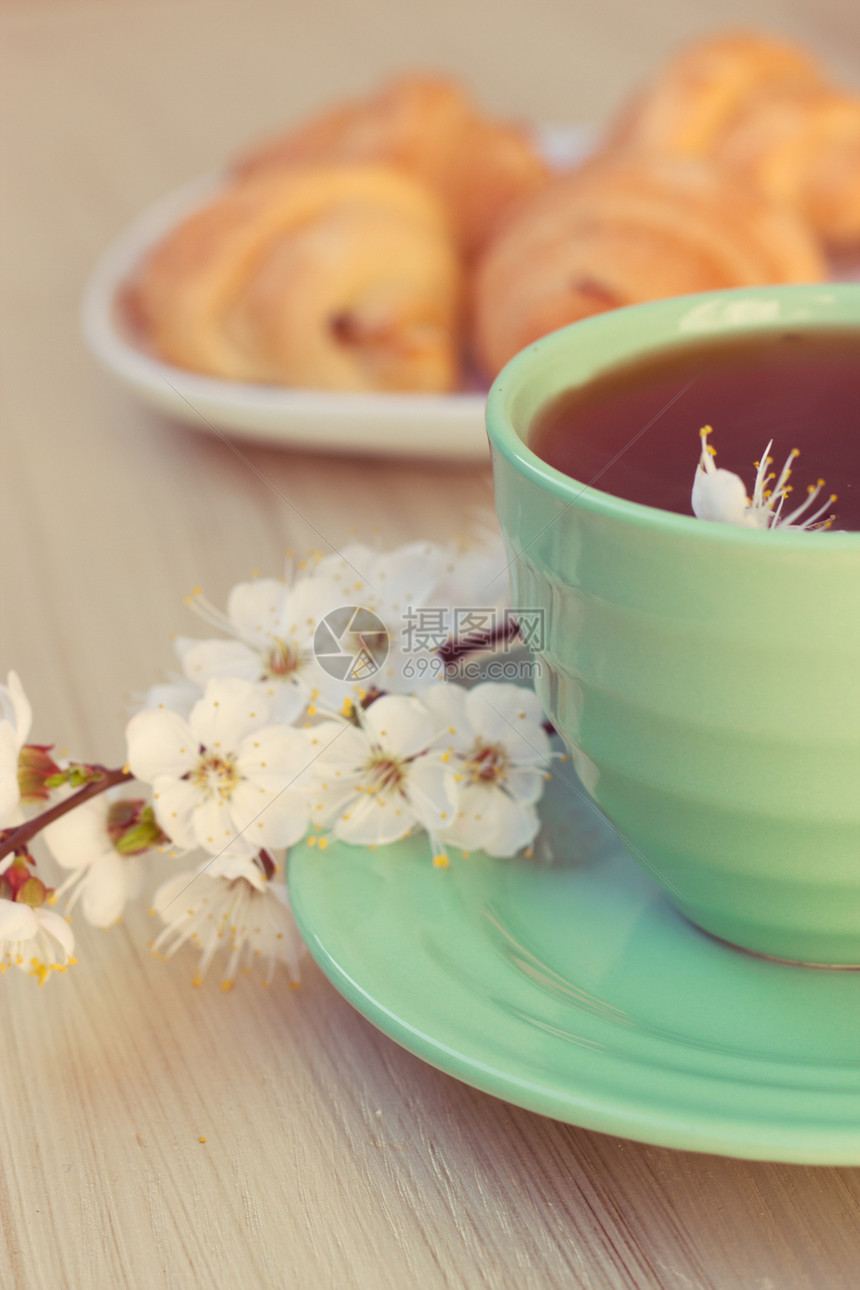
475, 572
497, 753
387, 581
375, 782
240, 911
177, 694
84, 840
16, 717
306, 644
35, 940
391, 585
270, 627
720, 495
223, 777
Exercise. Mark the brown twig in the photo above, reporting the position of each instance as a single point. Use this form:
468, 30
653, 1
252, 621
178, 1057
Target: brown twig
17, 839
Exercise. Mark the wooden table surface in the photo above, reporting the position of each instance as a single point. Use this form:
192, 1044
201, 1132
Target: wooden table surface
332, 1157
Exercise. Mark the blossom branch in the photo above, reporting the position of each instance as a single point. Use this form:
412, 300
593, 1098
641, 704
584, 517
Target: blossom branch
16, 840
238, 756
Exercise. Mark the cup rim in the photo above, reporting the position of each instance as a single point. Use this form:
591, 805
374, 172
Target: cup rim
505, 439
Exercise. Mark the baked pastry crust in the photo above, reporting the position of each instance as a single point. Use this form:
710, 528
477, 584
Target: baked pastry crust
429, 127
764, 108
803, 148
705, 88
338, 277
625, 231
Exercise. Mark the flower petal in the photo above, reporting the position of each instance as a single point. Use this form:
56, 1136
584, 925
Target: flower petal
170, 891
408, 671
309, 601
160, 743
375, 820
242, 915
229, 710
331, 800
288, 697
9, 790
21, 714
402, 726
470, 827
17, 921
233, 864
336, 749
255, 609
489, 820
387, 582
269, 820
215, 826
719, 495
349, 568
52, 924
447, 703
525, 783
476, 570
111, 882
80, 837
274, 758
511, 716
516, 825
174, 802
403, 579
177, 695
431, 793
203, 660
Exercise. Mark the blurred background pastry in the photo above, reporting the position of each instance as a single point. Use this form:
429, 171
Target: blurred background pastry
430, 127
705, 87
326, 277
622, 231
766, 109
341, 253
803, 148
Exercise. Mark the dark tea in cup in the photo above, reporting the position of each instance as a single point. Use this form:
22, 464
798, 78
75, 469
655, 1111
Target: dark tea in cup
633, 430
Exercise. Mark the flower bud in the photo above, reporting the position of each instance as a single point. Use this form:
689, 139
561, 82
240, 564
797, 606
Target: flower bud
36, 768
132, 827
33, 892
17, 883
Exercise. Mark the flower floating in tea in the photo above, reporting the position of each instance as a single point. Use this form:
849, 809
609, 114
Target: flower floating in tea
721, 496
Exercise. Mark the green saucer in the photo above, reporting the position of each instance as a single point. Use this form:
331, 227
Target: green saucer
569, 985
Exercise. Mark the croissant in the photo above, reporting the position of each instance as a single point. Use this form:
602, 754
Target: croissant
339, 278
765, 109
616, 233
428, 126
803, 149
704, 88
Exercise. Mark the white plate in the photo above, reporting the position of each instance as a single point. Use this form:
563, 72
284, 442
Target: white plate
414, 425
405, 425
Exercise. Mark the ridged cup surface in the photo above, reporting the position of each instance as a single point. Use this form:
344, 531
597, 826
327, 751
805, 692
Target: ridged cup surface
706, 678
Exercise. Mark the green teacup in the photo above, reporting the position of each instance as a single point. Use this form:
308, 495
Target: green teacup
705, 677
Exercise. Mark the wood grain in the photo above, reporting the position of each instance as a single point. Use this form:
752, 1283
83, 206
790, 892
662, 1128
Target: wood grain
332, 1158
